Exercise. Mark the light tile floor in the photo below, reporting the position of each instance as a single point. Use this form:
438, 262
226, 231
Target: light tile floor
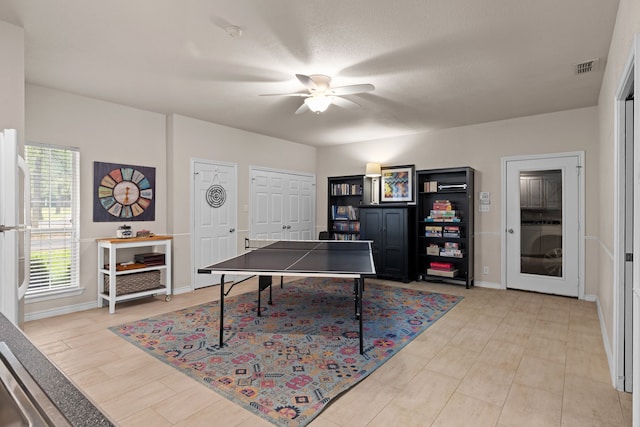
499, 358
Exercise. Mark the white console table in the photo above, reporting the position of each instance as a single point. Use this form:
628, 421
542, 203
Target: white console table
107, 267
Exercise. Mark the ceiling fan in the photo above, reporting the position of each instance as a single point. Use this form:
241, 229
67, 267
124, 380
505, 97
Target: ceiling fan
320, 94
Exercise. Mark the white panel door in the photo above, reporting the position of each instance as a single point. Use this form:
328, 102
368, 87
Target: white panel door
293, 209
300, 202
282, 205
308, 208
214, 217
542, 217
267, 216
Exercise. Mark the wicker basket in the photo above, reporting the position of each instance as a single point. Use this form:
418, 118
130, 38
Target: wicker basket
134, 282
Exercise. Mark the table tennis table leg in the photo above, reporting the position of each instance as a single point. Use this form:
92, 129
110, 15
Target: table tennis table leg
360, 313
221, 311
263, 283
355, 297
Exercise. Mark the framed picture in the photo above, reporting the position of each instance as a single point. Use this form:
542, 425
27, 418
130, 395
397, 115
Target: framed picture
123, 192
397, 183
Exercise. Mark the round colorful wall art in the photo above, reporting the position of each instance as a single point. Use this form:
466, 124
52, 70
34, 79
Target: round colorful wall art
123, 192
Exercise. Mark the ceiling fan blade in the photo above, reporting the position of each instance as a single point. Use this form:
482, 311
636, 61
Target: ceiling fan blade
353, 89
301, 94
345, 103
307, 81
302, 109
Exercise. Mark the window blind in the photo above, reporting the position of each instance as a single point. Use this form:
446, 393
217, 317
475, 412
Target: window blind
55, 217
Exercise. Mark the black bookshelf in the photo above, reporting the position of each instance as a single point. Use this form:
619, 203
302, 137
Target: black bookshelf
445, 225
345, 199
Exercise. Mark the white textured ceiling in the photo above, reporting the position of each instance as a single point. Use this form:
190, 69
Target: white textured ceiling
435, 63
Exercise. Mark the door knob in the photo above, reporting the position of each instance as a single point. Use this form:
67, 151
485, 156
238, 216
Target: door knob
510, 231
284, 227
231, 230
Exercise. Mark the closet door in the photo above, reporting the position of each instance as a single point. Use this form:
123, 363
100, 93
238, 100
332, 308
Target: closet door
282, 205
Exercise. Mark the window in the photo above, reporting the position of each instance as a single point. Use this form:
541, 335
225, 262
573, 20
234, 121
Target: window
55, 218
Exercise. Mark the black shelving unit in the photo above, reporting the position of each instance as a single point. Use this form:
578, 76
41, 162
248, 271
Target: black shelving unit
345, 199
391, 228
445, 221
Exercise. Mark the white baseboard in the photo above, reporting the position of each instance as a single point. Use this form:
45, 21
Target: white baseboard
490, 285
182, 290
68, 309
60, 311
605, 338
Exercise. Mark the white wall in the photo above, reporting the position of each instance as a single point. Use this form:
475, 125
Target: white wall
190, 138
627, 26
104, 132
481, 147
12, 78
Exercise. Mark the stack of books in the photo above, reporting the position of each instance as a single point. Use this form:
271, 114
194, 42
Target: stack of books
442, 211
150, 259
442, 269
451, 231
433, 231
451, 249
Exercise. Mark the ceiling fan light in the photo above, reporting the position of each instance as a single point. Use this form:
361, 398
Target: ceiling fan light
318, 104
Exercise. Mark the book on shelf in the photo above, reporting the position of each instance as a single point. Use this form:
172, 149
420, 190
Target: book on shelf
431, 186
442, 213
442, 205
344, 226
344, 213
451, 235
451, 245
453, 253
433, 250
345, 189
448, 219
442, 273
150, 259
441, 265
339, 236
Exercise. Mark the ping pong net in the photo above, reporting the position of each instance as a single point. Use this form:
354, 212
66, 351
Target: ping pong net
303, 245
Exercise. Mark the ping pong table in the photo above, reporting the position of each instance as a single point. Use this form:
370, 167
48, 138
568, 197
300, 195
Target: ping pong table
347, 259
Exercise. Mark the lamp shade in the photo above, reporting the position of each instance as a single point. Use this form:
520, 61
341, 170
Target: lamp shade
318, 103
373, 170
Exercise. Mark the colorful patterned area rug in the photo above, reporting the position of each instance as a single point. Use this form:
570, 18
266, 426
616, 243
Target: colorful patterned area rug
289, 364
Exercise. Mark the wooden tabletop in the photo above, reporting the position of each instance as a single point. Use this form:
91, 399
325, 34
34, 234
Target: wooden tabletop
134, 239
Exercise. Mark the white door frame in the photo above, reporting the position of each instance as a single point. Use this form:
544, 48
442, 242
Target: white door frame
630, 76
581, 207
193, 161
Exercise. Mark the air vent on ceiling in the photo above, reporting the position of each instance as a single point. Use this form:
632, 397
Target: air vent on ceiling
587, 66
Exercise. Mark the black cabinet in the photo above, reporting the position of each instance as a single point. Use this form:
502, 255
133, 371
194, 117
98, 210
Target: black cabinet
345, 198
445, 219
391, 228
